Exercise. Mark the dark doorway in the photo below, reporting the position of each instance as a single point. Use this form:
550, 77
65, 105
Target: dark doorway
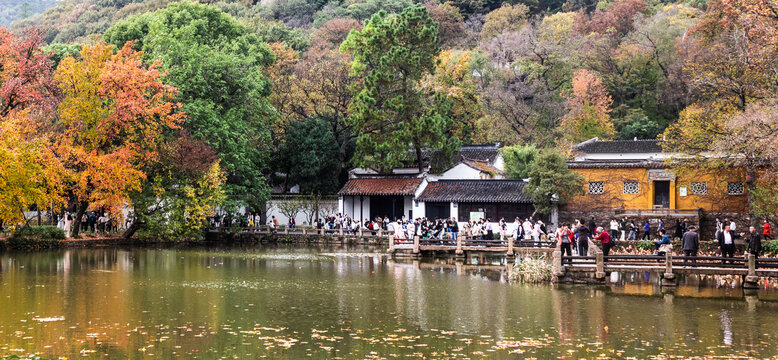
662, 194
437, 210
391, 206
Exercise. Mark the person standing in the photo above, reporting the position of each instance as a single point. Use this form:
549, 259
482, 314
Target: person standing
766, 231
646, 231
732, 226
583, 239
517, 229
605, 241
614, 228
527, 228
592, 226
754, 241
624, 224
68, 224
726, 244
454, 229
537, 231
691, 243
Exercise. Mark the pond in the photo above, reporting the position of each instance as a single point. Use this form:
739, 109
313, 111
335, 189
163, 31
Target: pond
296, 302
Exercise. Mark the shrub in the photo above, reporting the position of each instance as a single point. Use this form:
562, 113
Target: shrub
532, 270
36, 237
770, 247
645, 245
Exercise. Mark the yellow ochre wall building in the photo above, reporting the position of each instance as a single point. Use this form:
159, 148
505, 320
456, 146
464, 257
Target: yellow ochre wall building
632, 174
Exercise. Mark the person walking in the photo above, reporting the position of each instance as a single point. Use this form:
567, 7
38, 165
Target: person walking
691, 243
563, 239
632, 231
754, 241
646, 231
583, 239
766, 232
726, 245
592, 226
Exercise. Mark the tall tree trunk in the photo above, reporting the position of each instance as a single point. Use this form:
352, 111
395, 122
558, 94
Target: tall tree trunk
80, 211
419, 161
132, 229
751, 185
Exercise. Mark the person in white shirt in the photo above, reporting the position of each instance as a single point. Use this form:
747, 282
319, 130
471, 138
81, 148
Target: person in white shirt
732, 226
614, 229
536, 232
527, 226
726, 241
516, 229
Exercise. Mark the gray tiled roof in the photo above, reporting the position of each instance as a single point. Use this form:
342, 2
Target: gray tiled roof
487, 191
620, 146
483, 153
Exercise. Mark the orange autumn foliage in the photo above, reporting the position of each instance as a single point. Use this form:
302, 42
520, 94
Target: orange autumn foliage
112, 116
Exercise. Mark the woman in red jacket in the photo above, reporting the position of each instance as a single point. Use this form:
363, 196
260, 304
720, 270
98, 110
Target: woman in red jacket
766, 231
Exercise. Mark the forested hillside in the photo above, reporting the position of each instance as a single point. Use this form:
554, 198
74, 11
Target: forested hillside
13, 10
297, 92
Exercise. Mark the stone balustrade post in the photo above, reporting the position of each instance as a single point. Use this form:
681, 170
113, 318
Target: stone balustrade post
600, 265
668, 278
416, 244
459, 252
752, 280
391, 244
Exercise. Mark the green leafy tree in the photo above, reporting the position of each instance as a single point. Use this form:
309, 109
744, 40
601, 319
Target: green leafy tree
551, 181
216, 65
309, 156
519, 160
395, 113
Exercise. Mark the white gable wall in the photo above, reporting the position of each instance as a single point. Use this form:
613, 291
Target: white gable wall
461, 172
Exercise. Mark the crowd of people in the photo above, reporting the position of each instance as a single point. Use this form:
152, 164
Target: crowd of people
572, 237
92, 221
576, 237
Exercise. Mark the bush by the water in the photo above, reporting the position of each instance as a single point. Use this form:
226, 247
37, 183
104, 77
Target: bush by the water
36, 236
531, 270
770, 247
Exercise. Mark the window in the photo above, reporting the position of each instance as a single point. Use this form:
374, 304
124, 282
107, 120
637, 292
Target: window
699, 188
735, 188
631, 187
596, 187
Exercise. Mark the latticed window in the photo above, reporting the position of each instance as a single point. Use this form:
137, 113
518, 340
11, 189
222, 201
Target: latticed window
735, 188
699, 188
596, 187
631, 187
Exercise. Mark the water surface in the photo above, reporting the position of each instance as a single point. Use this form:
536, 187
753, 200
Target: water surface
292, 303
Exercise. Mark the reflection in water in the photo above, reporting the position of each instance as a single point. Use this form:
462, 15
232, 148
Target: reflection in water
726, 327
291, 302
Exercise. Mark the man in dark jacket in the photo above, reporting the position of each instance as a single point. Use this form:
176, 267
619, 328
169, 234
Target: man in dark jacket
726, 241
592, 226
754, 241
583, 239
691, 243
